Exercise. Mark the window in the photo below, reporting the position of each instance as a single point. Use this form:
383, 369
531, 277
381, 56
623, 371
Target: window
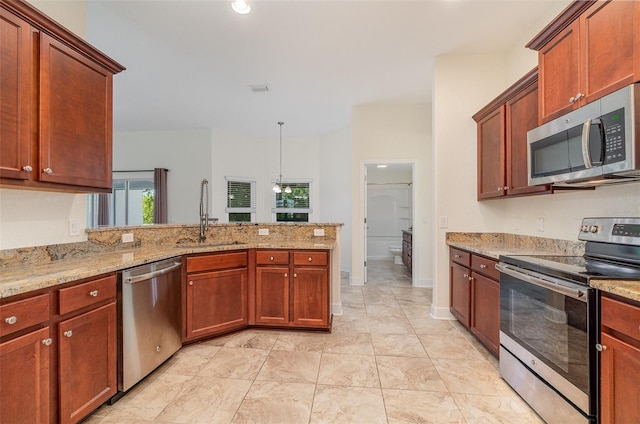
294, 206
130, 203
241, 199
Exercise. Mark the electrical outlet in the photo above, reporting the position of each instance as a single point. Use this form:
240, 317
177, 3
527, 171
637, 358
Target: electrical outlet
74, 227
318, 232
517, 223
263, 231
444, 222
540, 223
127, 237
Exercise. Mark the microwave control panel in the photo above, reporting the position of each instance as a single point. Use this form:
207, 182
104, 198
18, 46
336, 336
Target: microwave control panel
613, 123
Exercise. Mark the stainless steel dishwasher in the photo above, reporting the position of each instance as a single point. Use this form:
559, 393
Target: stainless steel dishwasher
151, 319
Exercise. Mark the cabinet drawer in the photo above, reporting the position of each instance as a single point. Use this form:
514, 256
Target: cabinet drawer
217, 261
86, 294
22, 314
272, 257
485, 266
310, 258
620, 316
460, 256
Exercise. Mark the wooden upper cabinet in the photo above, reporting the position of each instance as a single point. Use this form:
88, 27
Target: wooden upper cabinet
559, 65
75, 117
521, 117
15, 102
491, 155
591, 49
56, 105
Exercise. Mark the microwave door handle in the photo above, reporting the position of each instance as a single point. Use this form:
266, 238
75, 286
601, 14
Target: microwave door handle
586, 154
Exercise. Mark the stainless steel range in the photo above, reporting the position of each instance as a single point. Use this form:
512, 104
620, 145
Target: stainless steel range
549, 319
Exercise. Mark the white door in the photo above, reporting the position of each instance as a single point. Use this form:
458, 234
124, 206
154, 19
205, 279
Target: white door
366, 227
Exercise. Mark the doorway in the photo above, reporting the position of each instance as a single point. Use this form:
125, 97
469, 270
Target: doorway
389, 211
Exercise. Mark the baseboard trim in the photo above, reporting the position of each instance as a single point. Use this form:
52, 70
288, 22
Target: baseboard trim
357, 281
441, 313
424, 283
336, 309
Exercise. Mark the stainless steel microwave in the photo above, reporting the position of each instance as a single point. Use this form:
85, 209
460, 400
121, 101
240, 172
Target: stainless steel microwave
594, 145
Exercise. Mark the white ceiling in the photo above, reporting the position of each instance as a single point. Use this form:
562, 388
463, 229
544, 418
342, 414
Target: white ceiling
189, 63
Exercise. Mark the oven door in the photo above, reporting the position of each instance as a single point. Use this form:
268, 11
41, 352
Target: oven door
548, 324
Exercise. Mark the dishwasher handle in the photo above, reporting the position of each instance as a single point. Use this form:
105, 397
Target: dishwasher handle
153, 274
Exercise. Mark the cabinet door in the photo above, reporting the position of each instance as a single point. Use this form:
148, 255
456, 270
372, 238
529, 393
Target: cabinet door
75, 117
619, 377
310, 295
87, 362
460, 294
24, 378
491, 155
485, 311
559, 74
522, 116
272, 295
16, 99
611, 47
216, 302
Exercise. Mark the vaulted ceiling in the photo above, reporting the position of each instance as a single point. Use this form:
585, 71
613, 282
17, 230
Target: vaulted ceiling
190, 63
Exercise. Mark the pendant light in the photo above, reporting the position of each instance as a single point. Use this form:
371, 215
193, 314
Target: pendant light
277, 187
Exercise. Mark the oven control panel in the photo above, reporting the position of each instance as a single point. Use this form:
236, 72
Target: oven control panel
611, 230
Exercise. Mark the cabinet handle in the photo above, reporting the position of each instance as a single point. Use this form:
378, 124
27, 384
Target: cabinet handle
11, 320
309, 258
27, 168
295, 275
482, 266
271, 258
600, 347
93, 293
68, 333
47, 342
47, 171
286, 275
191, 283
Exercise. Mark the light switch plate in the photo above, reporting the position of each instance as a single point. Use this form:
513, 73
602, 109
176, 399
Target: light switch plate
74, 227
444, 222
540, 224
318, 232
127, 237
263, 231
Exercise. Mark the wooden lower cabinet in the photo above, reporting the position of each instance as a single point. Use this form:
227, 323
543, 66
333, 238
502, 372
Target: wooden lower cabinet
619, 362
460, 292
475, 296
310, 294
272, 295
485, 313
292, 290
216, 302
25, 378
87, 362
215, 294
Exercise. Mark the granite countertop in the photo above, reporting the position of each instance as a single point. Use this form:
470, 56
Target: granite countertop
495, 244
27, 277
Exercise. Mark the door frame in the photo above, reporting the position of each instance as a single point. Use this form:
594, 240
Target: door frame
415, 264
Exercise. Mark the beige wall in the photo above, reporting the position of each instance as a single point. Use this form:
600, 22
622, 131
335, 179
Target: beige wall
393, 133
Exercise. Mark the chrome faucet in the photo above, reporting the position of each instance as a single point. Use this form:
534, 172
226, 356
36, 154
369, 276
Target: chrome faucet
204, 209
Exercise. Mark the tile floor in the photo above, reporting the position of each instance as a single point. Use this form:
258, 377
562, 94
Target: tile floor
386, 361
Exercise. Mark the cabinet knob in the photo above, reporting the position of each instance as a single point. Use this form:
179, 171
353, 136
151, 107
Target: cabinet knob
470, 278
482, 266
47, 342
47, 171
499, 188
11, 320
271, 258
286, 275
506, 188
68, 333
579, 96
465, 275
191, 283
309, 258
456, 256
600, 347
27, 168
158, 348
295, 275
572, 99
93, 293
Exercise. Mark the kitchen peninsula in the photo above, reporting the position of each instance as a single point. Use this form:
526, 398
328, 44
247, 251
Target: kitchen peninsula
58, 304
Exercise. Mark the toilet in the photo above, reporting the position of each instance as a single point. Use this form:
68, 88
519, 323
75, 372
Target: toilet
397, 254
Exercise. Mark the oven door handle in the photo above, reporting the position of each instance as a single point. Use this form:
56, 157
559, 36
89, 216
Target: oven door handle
535, 279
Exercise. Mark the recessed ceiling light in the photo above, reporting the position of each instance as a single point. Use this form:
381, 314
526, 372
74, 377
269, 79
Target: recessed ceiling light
241, 7
382, 165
